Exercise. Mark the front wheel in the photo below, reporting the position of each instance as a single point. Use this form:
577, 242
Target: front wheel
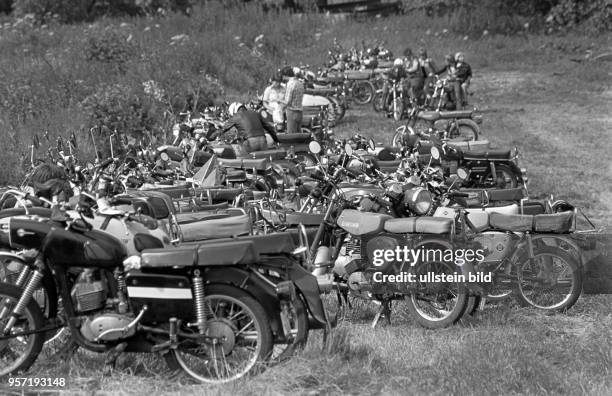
398, 109
551, 281
434, 304
241, 338
377, 102
17, 354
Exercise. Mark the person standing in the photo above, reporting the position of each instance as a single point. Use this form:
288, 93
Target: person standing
464, 75
273, 98
428, 68
294, 93
415, 74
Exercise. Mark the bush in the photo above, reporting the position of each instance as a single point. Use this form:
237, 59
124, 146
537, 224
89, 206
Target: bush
109, 46
87, 10
594, 15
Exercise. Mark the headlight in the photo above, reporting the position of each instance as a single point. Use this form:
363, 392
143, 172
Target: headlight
418, 200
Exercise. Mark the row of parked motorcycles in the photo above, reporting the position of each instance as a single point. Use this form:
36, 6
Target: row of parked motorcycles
222, 266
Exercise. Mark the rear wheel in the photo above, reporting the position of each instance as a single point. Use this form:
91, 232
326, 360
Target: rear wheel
298, 320
551, 281
363, 92
464, 130
17, 354
242, 338
339, 107
504, 178
437, 305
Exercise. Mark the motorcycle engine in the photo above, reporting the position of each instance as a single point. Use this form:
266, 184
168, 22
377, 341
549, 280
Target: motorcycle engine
96, 325
496, 246
88, 293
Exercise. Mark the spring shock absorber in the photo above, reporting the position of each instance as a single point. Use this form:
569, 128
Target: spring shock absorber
122, 305
25, 298
200, 304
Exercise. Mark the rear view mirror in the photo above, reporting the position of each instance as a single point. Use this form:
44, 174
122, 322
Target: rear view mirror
348, 149
314, 147
435, 153
371, 144
164, 156
462, 173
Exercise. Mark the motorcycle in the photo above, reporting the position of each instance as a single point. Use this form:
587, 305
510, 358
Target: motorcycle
232, 300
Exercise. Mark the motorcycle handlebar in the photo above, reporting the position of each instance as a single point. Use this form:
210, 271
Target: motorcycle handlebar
317, 177
458, 194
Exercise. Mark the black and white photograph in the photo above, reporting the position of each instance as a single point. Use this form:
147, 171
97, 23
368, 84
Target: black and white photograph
305, 197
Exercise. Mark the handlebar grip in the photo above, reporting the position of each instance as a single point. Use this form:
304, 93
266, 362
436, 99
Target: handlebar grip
33, 199
459, 194
316, 177
105, 163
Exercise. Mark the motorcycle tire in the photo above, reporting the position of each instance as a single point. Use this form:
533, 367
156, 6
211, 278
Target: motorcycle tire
505, 173
32, 313
363, 92
398, 136
459, 297
260, 321
339, 107
377, 102
464, 131
472, 305
398, 109
529, 281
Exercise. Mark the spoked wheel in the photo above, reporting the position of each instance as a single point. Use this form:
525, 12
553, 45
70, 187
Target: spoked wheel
398, 109
377, 102
551, 281
472, 305
437, 304
398, 137
339, 107
17, 354
464, 131
242, 339
363, 92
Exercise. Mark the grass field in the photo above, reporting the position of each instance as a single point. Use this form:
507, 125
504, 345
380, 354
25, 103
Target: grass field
536, 92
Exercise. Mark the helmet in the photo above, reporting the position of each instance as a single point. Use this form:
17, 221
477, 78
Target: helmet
233, 108
398, 62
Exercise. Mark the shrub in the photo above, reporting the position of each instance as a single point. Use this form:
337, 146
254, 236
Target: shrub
109, 46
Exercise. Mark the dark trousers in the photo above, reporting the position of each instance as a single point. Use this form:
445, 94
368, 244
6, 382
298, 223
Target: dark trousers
294, 121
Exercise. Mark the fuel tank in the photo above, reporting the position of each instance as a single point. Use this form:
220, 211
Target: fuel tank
360, 223
63, 247
350, 190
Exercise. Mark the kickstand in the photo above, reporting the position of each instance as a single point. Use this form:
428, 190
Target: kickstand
111, 359
383, 312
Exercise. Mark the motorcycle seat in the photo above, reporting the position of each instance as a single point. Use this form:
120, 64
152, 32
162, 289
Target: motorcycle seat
244, 163
429, 115
220, 194
455, 114
277, 243
285, 138
389, 164
320, 90
220, 253
202, 206
268, 154
215, 228
496, 195
236, 176
487, 155
557, 223
293, 218
421, 225
329, 79
358, 74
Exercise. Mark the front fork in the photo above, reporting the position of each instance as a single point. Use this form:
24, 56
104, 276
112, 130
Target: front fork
30, 286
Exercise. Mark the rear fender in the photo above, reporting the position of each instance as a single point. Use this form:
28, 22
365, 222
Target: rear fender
262, 291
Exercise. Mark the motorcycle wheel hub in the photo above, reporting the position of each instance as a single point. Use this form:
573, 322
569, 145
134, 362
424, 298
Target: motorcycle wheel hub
223, 336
